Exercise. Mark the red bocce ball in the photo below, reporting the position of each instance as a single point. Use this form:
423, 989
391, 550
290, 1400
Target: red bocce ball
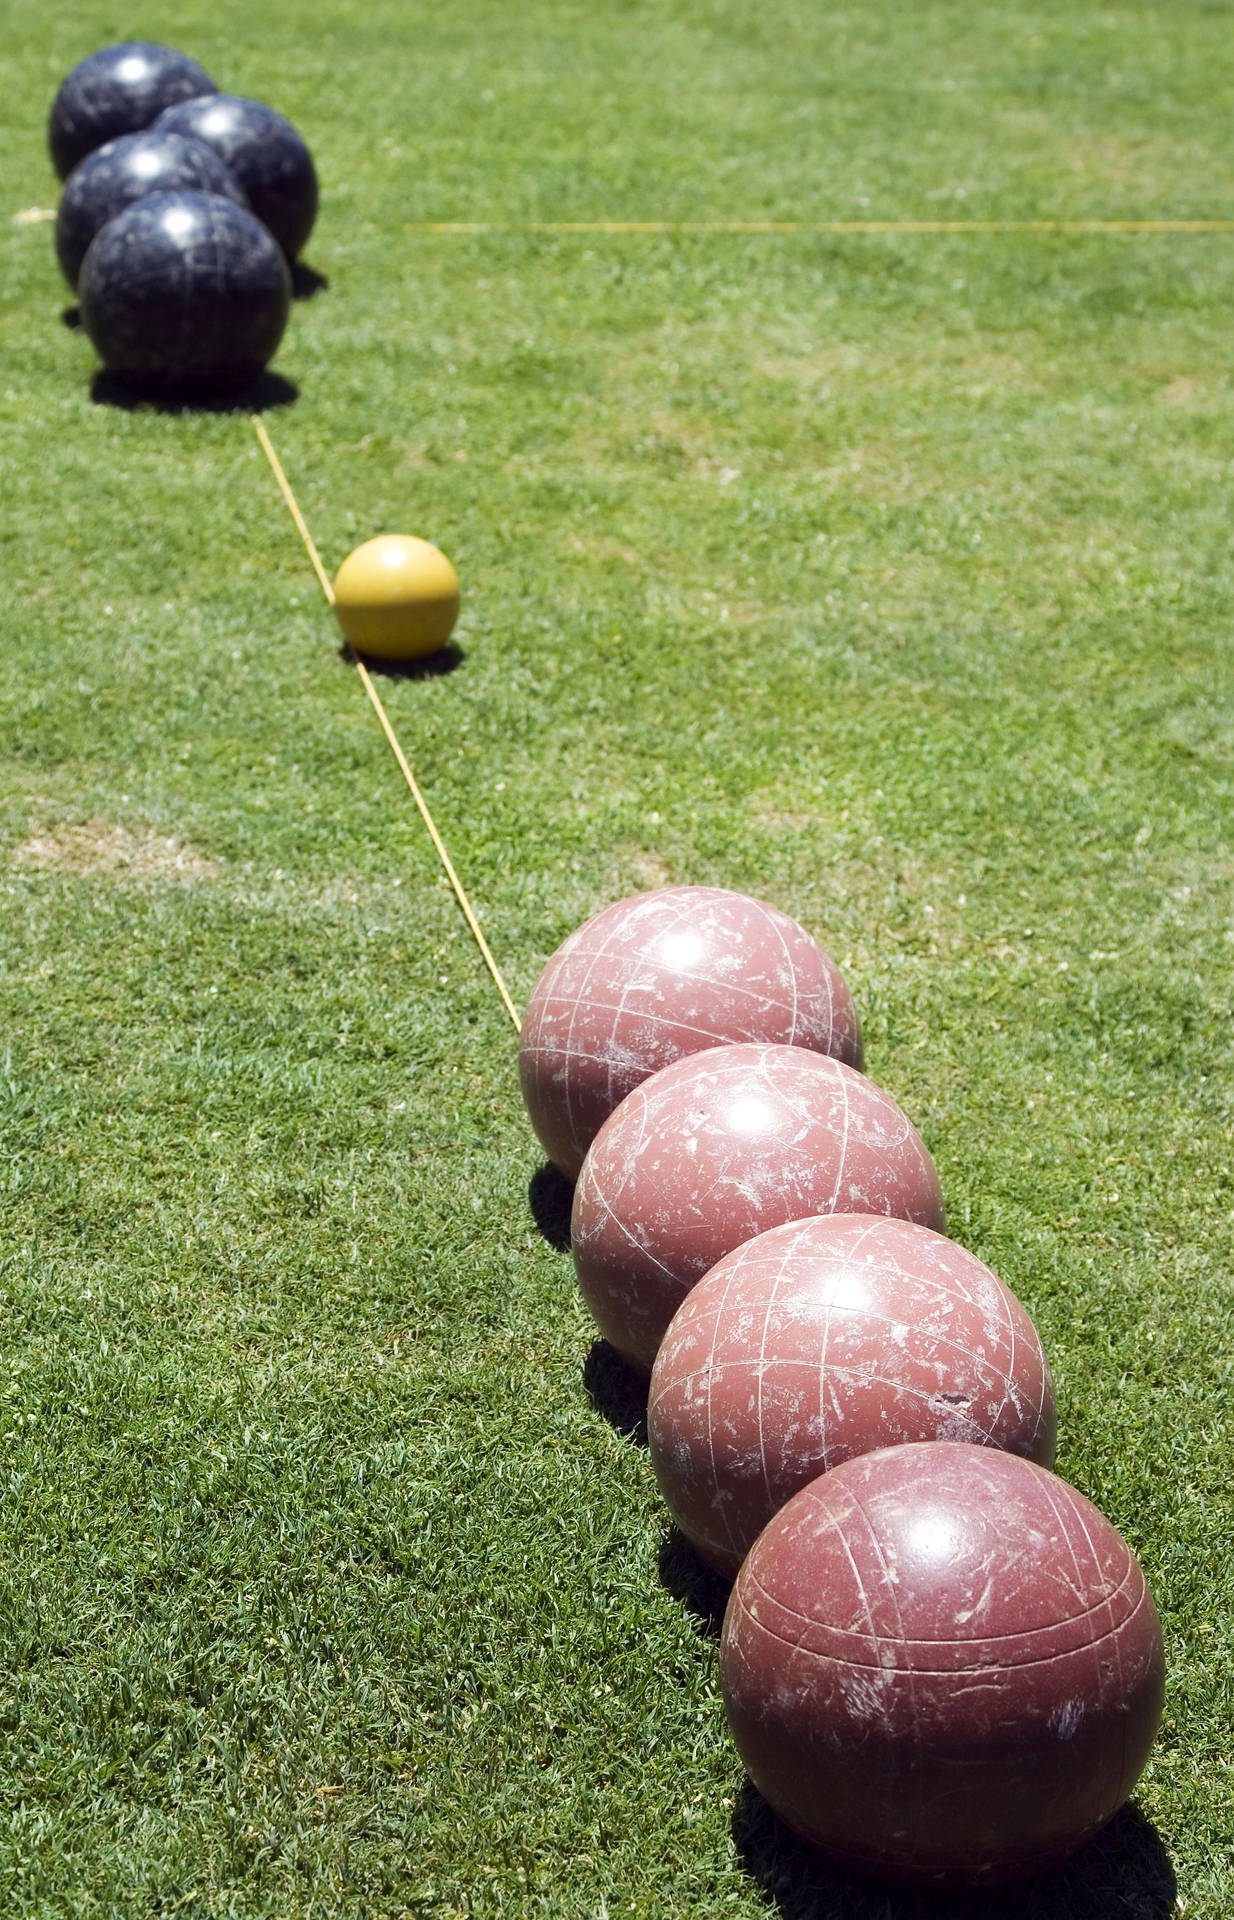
824, 1339
717, 1148
942, 1666
662, 975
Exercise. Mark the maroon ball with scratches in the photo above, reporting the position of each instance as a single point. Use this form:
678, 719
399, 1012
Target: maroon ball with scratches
717, 1148
662, 975
824, 1339
942, 1666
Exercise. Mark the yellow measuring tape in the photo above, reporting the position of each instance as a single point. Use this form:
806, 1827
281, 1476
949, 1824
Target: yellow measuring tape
366, 681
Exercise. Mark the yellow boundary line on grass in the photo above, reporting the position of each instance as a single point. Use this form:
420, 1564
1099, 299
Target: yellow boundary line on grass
366, 681
1063, 227
33, 216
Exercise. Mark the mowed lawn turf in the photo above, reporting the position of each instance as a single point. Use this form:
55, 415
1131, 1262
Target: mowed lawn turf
888, 577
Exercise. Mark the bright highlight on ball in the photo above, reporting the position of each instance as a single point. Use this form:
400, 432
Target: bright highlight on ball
396, 597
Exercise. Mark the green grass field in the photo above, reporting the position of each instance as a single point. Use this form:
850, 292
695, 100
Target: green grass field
888, 577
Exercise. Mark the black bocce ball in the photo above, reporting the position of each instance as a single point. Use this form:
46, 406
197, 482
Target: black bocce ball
184, 293
266, 154
120, 89
122, 171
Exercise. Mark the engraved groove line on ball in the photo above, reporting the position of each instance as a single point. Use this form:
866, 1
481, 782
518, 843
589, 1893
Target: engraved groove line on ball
711, 1433
627, 1232
937, 1336
789, 967
1108, 1636
1097, 1568
889, 1582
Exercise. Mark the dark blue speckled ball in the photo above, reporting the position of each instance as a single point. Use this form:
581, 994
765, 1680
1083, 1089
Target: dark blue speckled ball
184, 292
266, 154
122, 171
118, 90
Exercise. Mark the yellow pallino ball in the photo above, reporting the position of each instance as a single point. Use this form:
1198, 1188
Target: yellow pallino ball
396, 597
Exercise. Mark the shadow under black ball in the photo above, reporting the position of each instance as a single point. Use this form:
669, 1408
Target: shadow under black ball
268, 157
122, 171
185, 293
118, 90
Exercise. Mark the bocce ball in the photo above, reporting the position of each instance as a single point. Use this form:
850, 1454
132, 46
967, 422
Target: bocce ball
942, 1666
184, 292
127, 169
721, 1146
266, 154
118, 90
823, 1339
662, 975
396, 597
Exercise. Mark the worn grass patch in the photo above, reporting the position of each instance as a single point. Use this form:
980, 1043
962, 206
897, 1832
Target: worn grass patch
99, 847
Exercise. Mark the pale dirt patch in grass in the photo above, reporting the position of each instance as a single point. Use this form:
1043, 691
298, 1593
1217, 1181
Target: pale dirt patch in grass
777, 820
95, 848
675, 437
604, 548
816, 367
1145, 166
647, 870
1189, 391
738, 613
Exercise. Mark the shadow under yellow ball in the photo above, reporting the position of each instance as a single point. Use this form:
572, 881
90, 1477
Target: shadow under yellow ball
396, 597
